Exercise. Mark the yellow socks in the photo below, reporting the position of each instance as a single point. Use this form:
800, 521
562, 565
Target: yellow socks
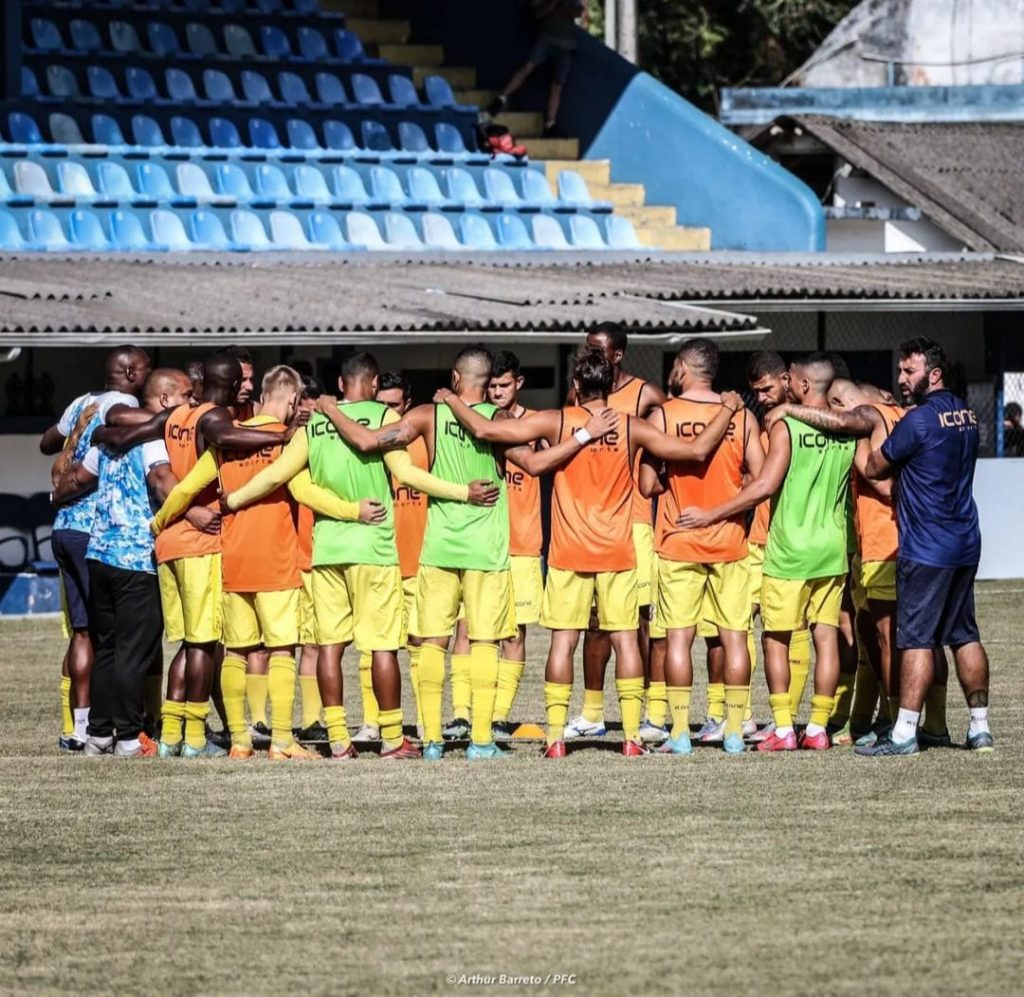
556, 703
631, 706
281, 686
172, 715
657, 704
593, 705
735, 704
67, 720
431, 688
310, 691
195, 724
391, 735
337, 727
256, 694
865, 696
233, 686
935, 710
782, 714
799, 667
821, 710
414, 680
483, 673
462, 686
748, 706
679, 704
371, 711
510, 674
716, 701
843, 699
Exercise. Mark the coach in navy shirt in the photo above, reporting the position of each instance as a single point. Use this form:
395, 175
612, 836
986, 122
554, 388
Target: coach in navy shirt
932, 452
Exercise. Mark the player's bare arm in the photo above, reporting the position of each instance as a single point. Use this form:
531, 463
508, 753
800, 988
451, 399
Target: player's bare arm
877, 467
766, 484
161, 482
411, 426
127, 427
882, 488
51, 442
653, 470
753, 452
651, 397
858, 422
699, 448
547, 458
75, 482
218, 429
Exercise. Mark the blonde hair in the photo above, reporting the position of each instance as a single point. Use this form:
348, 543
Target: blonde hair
280, 380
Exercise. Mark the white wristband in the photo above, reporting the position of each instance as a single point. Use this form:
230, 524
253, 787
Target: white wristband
582, 436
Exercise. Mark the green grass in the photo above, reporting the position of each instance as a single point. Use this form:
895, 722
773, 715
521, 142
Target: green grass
791, 874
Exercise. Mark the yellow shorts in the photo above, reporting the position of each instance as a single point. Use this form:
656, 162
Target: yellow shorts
363, 601
527, 588
267, 618
569, 596
646, 563
755, 564
789, 604
690, 592
307, 615
410, 615
878, 580
191, 596
655, 629
490, 611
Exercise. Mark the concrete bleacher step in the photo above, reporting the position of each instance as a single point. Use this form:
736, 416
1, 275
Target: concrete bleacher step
523, 124
411, 55
622, 195
678, 238
649, 215
457, 76
592, 170
551, 148
481, 98
379, 31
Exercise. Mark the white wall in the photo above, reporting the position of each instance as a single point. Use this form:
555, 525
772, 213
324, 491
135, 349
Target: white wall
25, 470
998, 484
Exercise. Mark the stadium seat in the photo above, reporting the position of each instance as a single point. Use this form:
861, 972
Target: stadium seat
126, 232
293, 89
179, 87
185, 133
572, 189
152, 180
87, 232
348, 46
499, 189
301, 135
201, 42
163, 41
31, 179
362, 230
324, 230
330, 90
348, 187
247, 230
537, 191
312, 45
272, 184
168, 230
232, 182
29, 84
512, 233
10, 235
64, 130
45, 35
23, 129
140, 84
193, 183
338, 136
438, 92
147, 132
45, 231
263, 135
102, 84
224, 134
256, 88
438, 232
84, 36
310, 184
423, 188
365, 90
74, 180
412, 138
239, 42
218, 88
547, 233
113, 181
400, 233
286, 231
376, 137
106, 131
274, 43
386, 188
61, 82
584, 233
124, 38
402, 91
620, 234
450, 142
207, 231
462, 188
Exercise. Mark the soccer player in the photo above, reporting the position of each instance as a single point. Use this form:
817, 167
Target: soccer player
631, 396
591, 550
465, 549
124, 373
805, 566
703, 574
260, 567
126, 620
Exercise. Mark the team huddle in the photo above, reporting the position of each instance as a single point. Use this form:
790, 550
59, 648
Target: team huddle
265, 536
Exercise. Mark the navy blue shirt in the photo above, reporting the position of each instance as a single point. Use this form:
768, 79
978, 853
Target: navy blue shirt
934, 448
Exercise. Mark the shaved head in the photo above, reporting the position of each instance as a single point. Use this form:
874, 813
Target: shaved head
472, 368
126, 369
167, 387
222, 376
811, 376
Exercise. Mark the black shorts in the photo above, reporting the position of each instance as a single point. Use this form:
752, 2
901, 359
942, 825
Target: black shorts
69, 548
934, 605
545, 51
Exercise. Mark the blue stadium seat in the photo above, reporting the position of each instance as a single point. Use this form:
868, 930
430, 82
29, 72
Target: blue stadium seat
338, 136
385, 187
185, 133
293, 89
438, 232
102, 84
45, 230
312, 45
23, 129
438, 92
424, 189
152, 180
263, 135
572, 189
348, 187
402, 91
451, 142
84, 36
6, 193
168, 230
247, 230
269, 6
29, 84
301, 135
412, 138
207, 231
362, 230
620, 234
113, 181
179, 86
64, 129
400, 233
124, 38
286, 232
146, 132
239, 42
45, 35
61, 82
126, 232
232, 182
272, 184
376, 137
462, 188
140, 84
274, 42
307, 7
217, 87
584, 233
536, 191
87, 232
106, 131
310, 184
201, 42
547, 233
74, 180
323, 230
163, 41
348, 46
256, 88
330, 90
224, 134
11, 238
365, 90
31, 180
499, 189
194, 184
512, 233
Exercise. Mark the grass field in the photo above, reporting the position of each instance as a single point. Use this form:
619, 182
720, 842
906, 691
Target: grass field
792, 874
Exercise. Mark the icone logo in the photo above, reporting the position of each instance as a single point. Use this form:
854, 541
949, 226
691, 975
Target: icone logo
263, 455
961, 417
819, 441
454, 430
403, 493
514, 479
183, 434
694, 428
609, 441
